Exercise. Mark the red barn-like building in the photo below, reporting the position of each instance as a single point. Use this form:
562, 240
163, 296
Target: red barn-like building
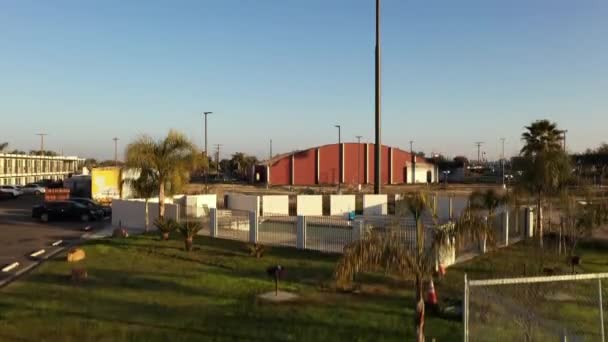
347, 163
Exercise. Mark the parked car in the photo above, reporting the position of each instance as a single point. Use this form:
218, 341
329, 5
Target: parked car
11, 189
65, 210
107, 210
35, 189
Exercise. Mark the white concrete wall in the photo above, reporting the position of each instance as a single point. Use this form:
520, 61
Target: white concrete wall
341, 204
309, 205
196, 204
131, 213
375, 205
243, 202
275, 205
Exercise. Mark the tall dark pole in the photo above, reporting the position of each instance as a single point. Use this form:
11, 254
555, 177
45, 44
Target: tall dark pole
115, 151
206, 152
565, 131
358, 159
339, 157
378, 146
270, 150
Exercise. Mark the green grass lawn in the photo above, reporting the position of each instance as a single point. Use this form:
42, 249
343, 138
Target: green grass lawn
143, 289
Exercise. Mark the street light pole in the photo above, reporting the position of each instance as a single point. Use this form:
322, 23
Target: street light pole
339, 157
378, 146
115, 151
358, 159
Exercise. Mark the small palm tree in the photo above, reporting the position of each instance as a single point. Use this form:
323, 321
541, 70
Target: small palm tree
388, 250
166, 226
171, 158
188, 230
488, 201
145, 186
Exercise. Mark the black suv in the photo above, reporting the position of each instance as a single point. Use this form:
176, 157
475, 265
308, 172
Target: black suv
65, 210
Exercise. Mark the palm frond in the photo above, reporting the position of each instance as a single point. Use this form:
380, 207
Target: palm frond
378, 251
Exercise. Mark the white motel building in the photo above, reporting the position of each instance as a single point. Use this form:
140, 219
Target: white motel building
17, 169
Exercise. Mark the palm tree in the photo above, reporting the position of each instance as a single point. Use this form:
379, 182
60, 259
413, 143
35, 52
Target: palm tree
388, 250
489, 201
171, 158
547, 165
541, 136
145, 186
188, 230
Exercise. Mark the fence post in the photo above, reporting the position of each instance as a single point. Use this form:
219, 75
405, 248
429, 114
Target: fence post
599, 286
301, 232
505, 225
213, 222
253, 226
358, 230
529, 222
451, 207
465, 309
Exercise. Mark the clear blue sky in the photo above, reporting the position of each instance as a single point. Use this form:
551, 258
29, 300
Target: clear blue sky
454, 72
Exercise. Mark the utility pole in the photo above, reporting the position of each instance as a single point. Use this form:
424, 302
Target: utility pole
359, 159
564, 132
206, 153
115, 151
42, 135
217, 158
478, 144
339, 157
270, 150
413, 162
502, 161
378, 145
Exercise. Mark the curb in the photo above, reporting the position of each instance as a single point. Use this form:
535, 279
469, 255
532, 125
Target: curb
30, 267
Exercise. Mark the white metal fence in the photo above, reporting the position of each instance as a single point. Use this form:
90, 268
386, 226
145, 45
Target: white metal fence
551, 308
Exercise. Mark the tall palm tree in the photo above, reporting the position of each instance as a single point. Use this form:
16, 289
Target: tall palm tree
547, 165
171, 158
388, 250
145, 186
541, 136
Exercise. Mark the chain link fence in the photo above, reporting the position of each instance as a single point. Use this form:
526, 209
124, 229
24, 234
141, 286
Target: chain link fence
551, 308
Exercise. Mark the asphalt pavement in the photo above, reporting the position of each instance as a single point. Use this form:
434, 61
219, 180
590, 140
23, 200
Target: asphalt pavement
21, 235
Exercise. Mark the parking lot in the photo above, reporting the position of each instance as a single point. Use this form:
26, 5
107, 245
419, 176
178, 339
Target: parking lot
20, 235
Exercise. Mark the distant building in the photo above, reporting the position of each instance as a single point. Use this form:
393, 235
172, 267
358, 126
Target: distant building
347, 163
20, 169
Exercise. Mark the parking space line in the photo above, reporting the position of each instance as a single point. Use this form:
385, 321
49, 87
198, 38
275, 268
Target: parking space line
10, 267
37, 253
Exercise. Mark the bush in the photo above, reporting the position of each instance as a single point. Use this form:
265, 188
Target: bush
166, 226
